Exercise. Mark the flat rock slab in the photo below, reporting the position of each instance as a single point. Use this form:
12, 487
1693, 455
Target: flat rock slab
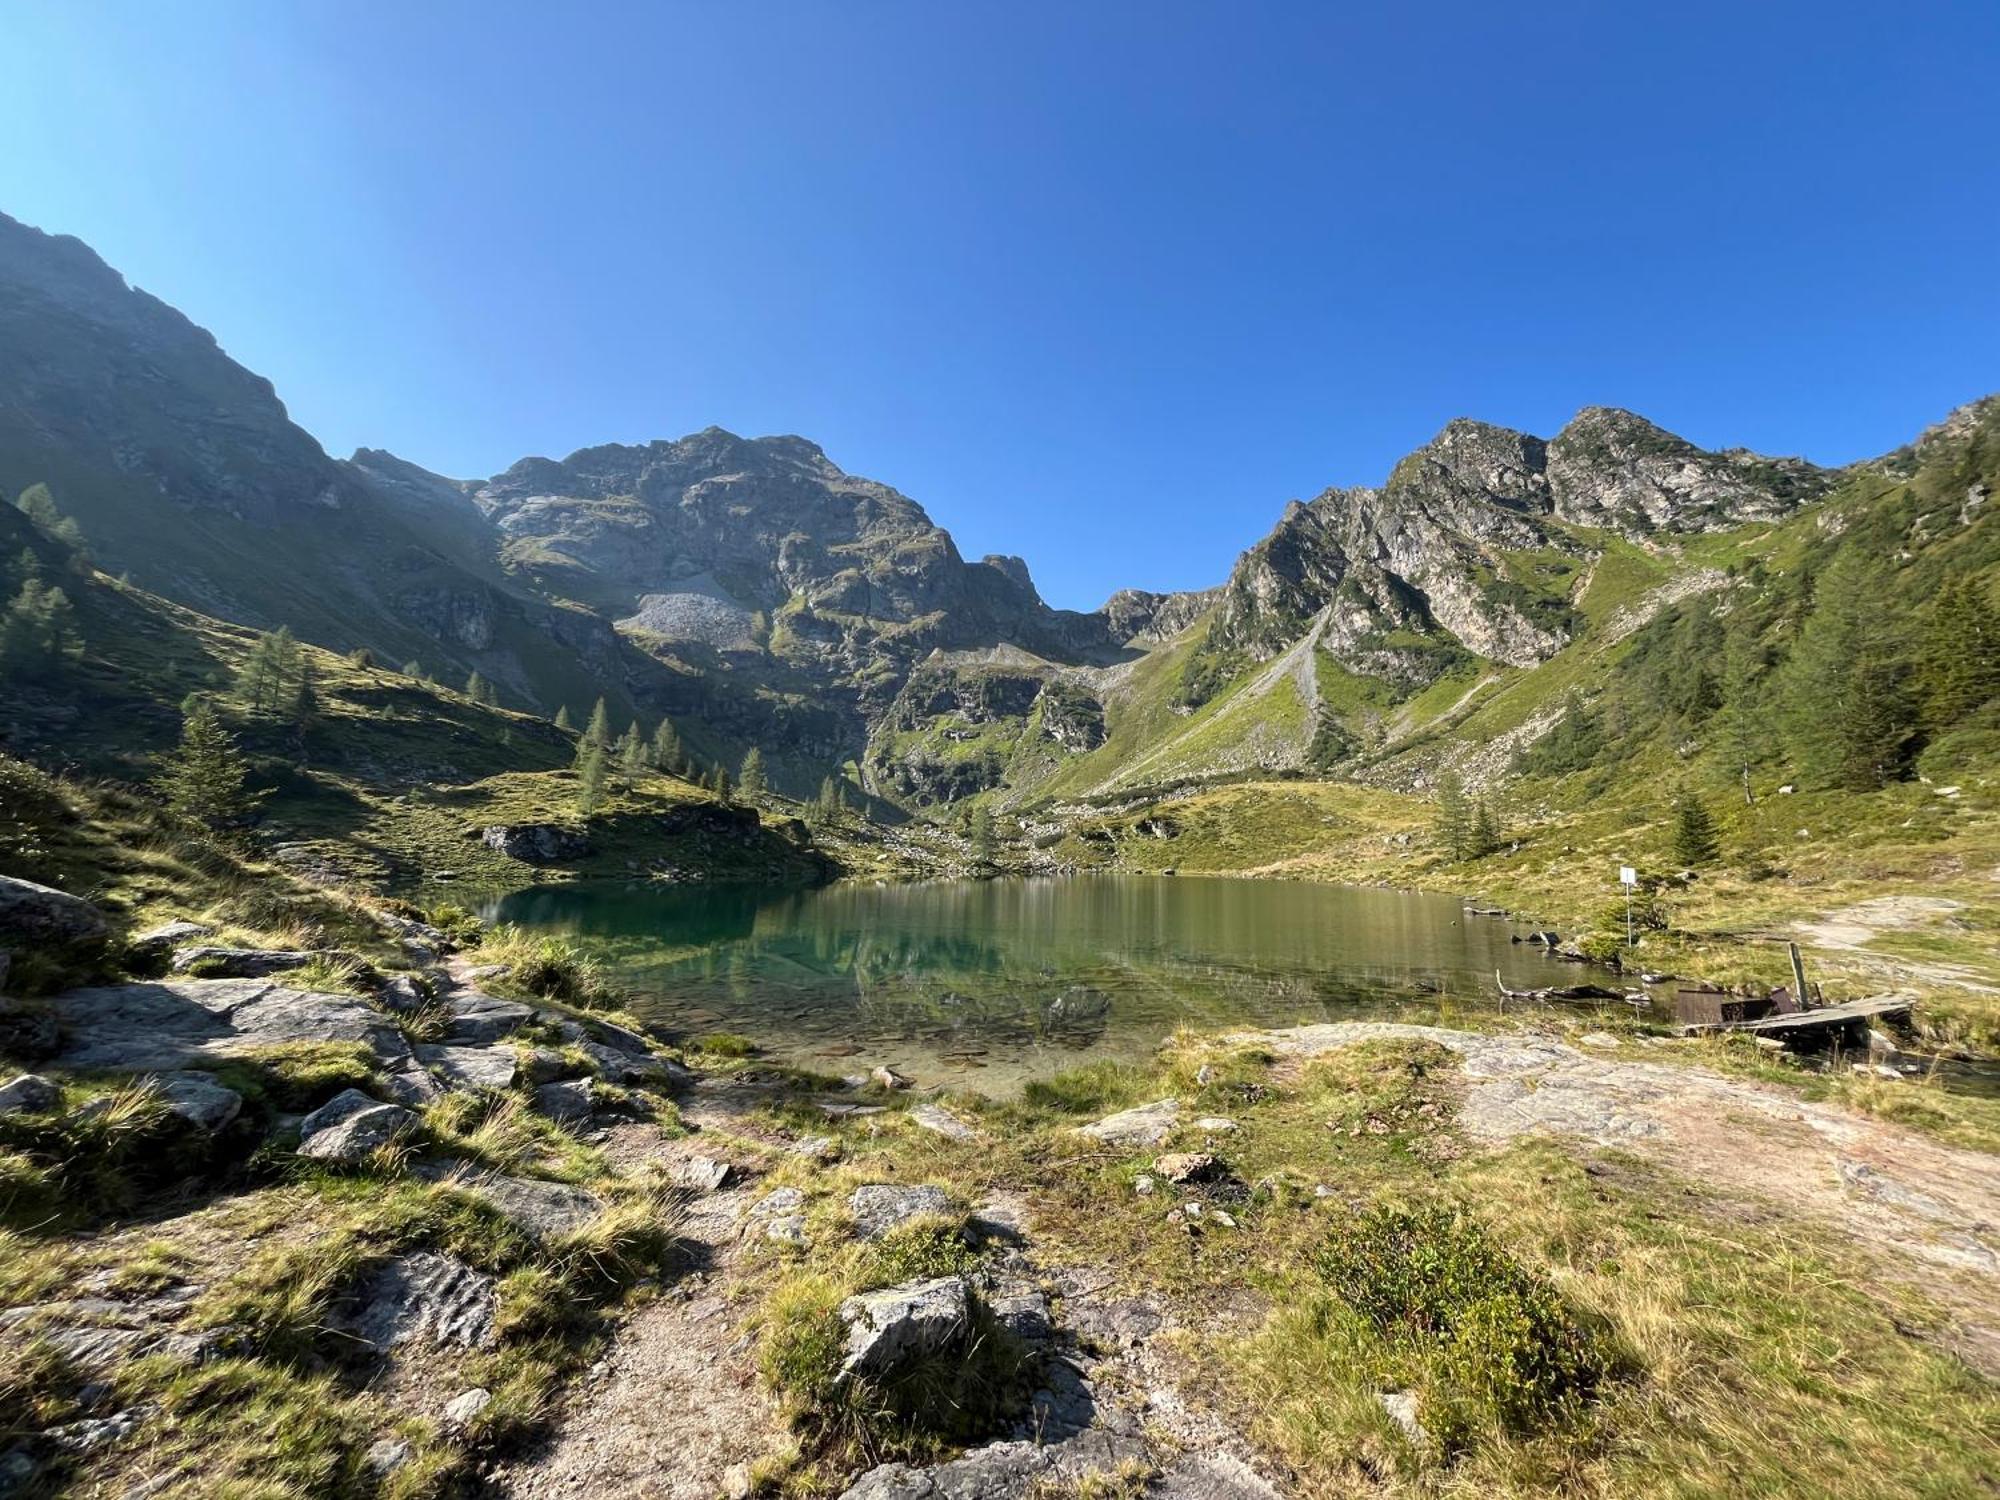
471, 1067
567, 1103
941, 1121
359, 1135
1006, 1470
199, 1099
166, 1025
541, 1210
481, 1019
879, 1207
239, 963
1148, 1125
422, 1297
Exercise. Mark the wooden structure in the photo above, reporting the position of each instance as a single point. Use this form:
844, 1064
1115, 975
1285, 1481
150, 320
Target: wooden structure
1700, 1008
1845, 1024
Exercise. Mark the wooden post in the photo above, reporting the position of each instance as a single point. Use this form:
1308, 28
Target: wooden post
1799, 995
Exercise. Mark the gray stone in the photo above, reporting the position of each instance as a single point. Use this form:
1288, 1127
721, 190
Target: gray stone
199, 1100
411, 1086
889, 1329
815, 1147
1025, 1314
403, 994
96, 1432
567, 1103
1211, 1476
39, 918
779, 1216
471, 1067
701, 1174
941, 1121
356, 1135
385, 1456
344, 1105
1004, 1471
1147, 1125
467, 1405
541, 1210
625, 1067
1186, 1166
479, 1019
158, 942
536, 843
29, 1094
27, 1029
879, 1207
164, 1025
544, 1065
888, 1078
1214, 1125
239, 963
423, 1297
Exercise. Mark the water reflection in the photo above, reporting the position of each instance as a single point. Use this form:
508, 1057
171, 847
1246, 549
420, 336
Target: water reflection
1020, 978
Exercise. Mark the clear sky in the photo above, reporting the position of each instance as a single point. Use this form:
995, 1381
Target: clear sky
1102, 284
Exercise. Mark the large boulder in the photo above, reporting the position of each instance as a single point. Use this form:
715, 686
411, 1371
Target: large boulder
536, 843
40, 919
889, 1330
472, 1067
567, 1103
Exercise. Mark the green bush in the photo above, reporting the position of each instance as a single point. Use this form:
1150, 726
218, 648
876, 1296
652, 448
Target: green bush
557, 970
725, 1044
1495, 1346
921, 1249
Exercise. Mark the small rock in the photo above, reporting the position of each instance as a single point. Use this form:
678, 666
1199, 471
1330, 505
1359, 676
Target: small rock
1767, 1044
1204, 1076
541, 1210
463, 1407
94, 1432
942, 1122
1144, 1185
888, 1078
157, 942
29, 1094
472, 1067
880, 1207
1604, 1041
1402, 1409
478, 1020
39, 918
386, 1456
1215, 1125
1223, 1217
403, 995
736, 1483
702, 1174
888, 1329
422, 1297
352, 1126
1148, 1125
342, 1106
199, 1100
1186, 1166
569, 1103
541, 1065
815, 1147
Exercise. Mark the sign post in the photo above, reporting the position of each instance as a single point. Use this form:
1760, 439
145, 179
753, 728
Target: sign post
1629, 878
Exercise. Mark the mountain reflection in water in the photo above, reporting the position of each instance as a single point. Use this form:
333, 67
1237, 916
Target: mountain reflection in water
1022, 978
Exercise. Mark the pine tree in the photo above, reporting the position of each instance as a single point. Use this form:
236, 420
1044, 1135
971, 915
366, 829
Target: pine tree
563, 721
827, 805
305, 700
632, 751
751, 777
1696, 840
202, 778
979, 832
1849, 717
719, 783
1485, 832
589, 777
1451, 818
362, 658
1959, 659
667, 748
39, 506
38, 630
1739, 725
413, 668
597, 733
477, 688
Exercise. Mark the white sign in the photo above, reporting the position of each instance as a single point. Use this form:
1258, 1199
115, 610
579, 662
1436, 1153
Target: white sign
1627, 875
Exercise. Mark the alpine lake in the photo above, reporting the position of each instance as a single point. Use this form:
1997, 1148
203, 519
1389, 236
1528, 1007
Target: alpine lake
986, 984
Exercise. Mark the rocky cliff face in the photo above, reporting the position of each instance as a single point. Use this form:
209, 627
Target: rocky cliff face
1457, 549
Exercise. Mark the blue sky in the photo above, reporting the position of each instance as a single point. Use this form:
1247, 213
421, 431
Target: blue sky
1103, 285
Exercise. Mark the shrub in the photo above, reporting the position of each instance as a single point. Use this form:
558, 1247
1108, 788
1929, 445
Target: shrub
558, 970
921, 1249
1496, 1346
725, 1044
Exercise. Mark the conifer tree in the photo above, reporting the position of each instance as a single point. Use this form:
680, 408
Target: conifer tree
751, 777
1739, 729
632, 751
1849, 718
563, 720
39, 506
202, 778
589, 777
305, 700
719, 783
1959, 659
1451, 818
1696, 840
827, 804
477, 688
413, 668
38, 630
1485, 833
667, 748
598, 731
979, 832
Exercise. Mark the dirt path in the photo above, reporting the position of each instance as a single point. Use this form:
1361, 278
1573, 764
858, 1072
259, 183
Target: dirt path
1928, 1213
1851, 929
